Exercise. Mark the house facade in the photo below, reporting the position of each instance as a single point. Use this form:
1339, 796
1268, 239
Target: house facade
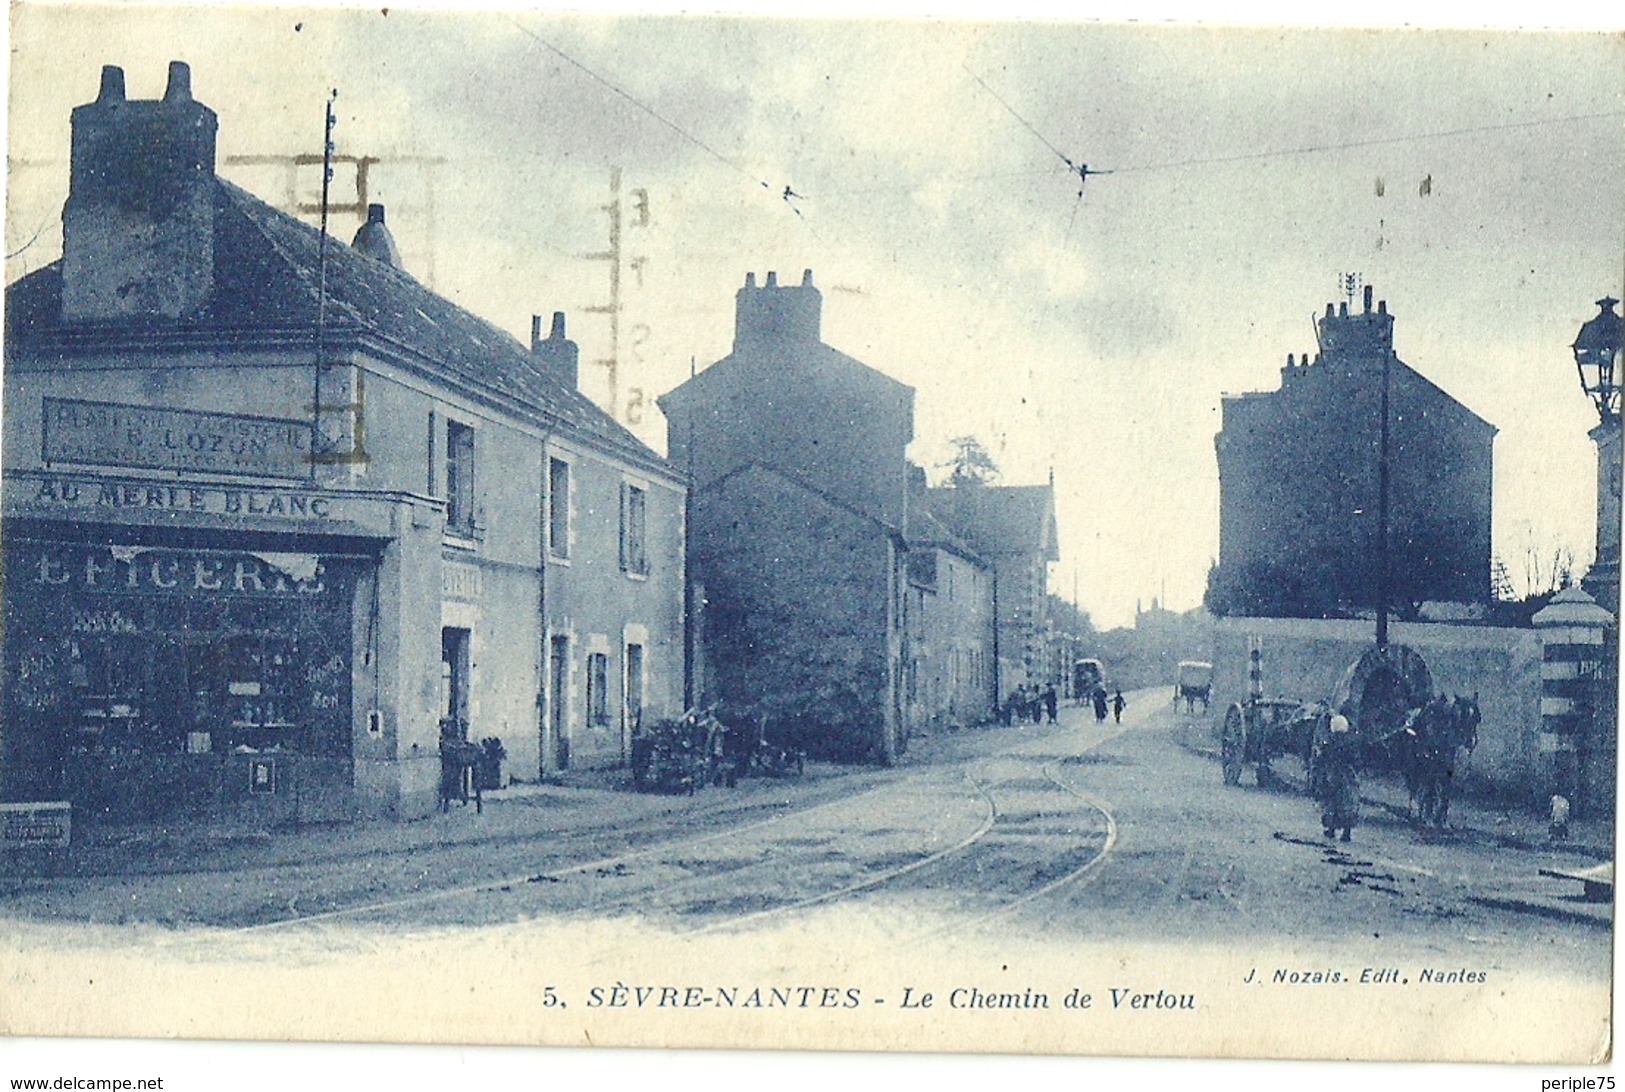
1299, 471
276, 516
1012, 527
796, 456
953, 666
842, 597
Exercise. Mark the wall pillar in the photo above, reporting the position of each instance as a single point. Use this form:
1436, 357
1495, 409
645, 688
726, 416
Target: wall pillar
1576, 715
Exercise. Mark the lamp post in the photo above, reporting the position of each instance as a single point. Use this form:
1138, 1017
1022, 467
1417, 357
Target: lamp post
1590, 686
1597, 359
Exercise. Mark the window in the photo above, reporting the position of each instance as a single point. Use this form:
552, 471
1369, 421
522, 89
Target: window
598, 689
634, 552
558, 510
434, 482
460, 477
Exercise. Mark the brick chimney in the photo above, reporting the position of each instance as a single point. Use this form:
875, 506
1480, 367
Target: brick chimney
374, 239
138, 228
559, 356
1355, 340
774, 313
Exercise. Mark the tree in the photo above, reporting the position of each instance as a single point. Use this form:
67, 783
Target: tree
970, 463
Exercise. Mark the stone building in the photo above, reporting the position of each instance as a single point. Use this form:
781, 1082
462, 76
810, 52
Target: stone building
1299, 483
1013, 528
842, 596
276, 515
952, 669
798, 517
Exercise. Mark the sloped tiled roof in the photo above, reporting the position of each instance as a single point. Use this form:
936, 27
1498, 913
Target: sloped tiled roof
752, 469
807, 356
267, 269
999, 519
925, 529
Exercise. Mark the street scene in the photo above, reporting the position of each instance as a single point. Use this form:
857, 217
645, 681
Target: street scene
1043, 828
1052, 539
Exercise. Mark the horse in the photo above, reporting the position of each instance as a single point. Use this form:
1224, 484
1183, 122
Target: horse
1433, 737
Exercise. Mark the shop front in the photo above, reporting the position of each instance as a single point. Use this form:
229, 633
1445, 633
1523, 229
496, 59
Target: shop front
182, 680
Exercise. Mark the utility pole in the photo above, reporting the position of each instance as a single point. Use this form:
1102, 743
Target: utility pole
1384, 567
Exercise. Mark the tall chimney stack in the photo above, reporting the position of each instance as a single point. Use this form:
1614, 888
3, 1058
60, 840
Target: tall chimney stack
138, 227
775, 314
560, 357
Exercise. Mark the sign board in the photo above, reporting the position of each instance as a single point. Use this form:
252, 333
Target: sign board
114, 434
45, 825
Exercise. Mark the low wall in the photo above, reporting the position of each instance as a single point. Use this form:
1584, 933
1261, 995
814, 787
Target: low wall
1304, 658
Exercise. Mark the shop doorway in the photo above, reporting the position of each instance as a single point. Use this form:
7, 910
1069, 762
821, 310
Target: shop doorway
454, 670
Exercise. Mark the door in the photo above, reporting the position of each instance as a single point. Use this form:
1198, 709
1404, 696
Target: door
454, 669
634, 697
558, 701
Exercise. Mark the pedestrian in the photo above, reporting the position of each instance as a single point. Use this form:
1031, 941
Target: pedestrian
1559, 829
1119, 703
1336, 779
1100, 705
1052, 702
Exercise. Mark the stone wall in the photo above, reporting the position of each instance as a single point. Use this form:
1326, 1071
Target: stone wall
1304, 658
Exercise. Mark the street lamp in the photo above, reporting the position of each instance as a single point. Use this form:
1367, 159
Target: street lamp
1597, 358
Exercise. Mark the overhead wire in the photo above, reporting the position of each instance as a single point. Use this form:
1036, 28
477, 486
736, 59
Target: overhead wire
787, 194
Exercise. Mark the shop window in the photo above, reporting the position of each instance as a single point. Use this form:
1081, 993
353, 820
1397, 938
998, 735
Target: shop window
460, 478
634, 523
598, 690
558, 508
256, 685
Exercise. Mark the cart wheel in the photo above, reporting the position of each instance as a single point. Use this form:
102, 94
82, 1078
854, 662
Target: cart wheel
1233, 744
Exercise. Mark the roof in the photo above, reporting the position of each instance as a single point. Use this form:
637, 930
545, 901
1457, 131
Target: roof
925, 529
755, 468
267, 267
1403, 373
1000, 519
810, 358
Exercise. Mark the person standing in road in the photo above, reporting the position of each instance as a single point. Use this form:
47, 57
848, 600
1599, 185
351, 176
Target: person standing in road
1052, 702
1100, 705
1119, 703
1336, 779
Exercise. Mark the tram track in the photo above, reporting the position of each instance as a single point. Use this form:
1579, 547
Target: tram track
533, 876
1010, 841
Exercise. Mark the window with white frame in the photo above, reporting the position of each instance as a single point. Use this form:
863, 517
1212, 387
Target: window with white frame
634, 528
558, 509
460, 477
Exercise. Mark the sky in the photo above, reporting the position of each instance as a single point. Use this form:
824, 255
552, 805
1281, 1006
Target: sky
926, 164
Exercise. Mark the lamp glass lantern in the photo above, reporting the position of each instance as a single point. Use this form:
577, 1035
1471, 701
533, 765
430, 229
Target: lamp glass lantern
1597, 358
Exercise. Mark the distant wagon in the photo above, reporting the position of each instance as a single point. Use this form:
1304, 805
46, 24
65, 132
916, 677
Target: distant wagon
1087, 677
1194, 684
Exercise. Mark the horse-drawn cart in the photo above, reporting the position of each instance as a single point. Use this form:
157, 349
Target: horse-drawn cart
1400, 726
1194, 684
1260, 730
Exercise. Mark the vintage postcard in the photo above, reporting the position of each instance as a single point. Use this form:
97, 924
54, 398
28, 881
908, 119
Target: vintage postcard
939, 536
